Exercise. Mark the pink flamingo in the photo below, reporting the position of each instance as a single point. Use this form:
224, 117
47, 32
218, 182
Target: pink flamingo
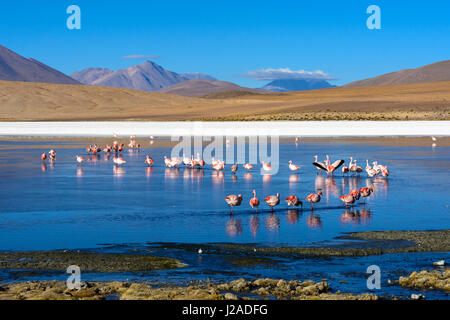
294, 201
327, 166
119, 161
247, 166
272, 201
266, 166
43, 156
233, 200
347, 199
314, 198
80, 159
254, 202
149, 161
365, 192
292, 166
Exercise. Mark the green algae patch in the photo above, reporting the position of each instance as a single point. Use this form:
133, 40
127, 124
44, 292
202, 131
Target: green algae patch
372, 243
87, 261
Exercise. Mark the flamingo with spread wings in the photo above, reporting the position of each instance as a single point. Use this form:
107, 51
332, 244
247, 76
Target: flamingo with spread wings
328, 166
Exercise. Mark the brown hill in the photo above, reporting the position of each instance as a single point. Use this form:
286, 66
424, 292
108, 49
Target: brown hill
14, 67
40, 101
439, 71
202, 87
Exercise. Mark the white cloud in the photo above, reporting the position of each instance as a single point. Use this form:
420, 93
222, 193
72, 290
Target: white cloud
286, 73
141, 56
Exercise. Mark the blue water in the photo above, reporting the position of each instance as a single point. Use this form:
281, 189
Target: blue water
65, 205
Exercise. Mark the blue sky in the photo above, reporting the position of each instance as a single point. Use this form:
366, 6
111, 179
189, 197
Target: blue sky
229, 38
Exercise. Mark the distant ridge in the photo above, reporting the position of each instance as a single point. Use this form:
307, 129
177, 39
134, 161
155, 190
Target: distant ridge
147, 76
14, 67
282, 85
435, 72
202, 87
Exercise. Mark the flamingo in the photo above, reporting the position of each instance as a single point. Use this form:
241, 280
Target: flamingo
353, 167
371, 172
52, 154
149, 161
316, 160
345, 170
200, 161
292, 166
119, 161
247, 166
314, 198
266, 166
294, 201
186, 160
272, 201
234, 168
327, 166
219, 166
43, 156
384, 171
355, 194
347, 199
254, 202
233, 200
80, 159
365, 192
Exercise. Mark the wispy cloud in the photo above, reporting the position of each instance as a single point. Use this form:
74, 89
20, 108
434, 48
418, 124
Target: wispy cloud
286, 73
141, 56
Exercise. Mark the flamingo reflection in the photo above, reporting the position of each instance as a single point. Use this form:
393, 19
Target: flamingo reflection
234, 227
80, 172
248, 176
254, 224
293, 178
118, 171
43, 167
171, 173
272, 222
218, 177
267, 178
292, 216
314, 221
148, 171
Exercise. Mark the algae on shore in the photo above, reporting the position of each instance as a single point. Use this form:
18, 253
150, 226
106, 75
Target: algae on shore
87, 261
419, 241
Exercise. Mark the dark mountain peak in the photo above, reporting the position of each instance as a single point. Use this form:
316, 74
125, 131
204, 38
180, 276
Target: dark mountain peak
14, 67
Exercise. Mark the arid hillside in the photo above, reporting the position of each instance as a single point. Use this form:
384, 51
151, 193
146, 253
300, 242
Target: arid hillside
42, 101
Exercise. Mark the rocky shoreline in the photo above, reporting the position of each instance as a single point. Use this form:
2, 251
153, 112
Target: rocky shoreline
239, 289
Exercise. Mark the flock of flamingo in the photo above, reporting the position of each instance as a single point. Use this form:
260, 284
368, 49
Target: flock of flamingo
236, 200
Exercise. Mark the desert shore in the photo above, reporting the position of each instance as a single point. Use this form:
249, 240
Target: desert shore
23, 101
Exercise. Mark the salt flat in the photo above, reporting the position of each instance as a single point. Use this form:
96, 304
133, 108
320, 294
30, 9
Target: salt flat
230, 128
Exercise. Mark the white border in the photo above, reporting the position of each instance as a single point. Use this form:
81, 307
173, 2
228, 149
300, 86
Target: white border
231, 128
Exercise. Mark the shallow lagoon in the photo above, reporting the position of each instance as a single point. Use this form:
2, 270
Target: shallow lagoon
69, 206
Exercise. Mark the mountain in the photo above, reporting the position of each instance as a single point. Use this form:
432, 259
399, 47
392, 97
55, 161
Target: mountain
14, 67
282, 85
89, 75
439, 71
147, 76
202, 87
198, 75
